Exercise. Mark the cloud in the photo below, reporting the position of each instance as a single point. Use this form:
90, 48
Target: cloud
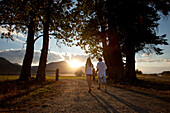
81, 58
62, 56
152, 60
152, 69
17, 55
145, 55
19, 40
16, 35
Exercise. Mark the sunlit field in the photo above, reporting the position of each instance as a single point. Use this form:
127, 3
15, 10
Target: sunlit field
153, 78
160, 79
15, 77
8, 77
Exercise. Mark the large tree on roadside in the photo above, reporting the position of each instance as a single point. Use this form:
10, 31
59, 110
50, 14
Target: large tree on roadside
99, 35
43, 58
117, 22
20, 16
56, 22
117, 69
139, 30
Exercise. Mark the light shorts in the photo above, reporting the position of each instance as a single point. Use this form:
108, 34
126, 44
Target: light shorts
102, 80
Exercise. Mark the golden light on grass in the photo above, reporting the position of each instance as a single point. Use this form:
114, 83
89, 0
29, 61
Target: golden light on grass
75, 63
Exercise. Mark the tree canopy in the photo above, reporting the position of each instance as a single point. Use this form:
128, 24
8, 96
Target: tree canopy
133, 23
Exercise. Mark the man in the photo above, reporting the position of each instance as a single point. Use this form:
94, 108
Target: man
101, 69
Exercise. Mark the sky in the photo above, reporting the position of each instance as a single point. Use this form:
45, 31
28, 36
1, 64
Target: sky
14, 51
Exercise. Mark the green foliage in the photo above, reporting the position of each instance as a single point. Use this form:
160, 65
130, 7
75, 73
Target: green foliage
127, 25
141, 31
79, 72
15, 16
88, 28
61, 22
133, 25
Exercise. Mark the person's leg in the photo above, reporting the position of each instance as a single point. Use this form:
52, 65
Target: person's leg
88, 82
99, 82
104, 81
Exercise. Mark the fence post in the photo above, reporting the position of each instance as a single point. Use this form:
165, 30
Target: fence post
57, 74
94, 74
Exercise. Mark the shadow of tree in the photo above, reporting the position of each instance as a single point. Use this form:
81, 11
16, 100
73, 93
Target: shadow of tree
104, 103
134, 107
165, 99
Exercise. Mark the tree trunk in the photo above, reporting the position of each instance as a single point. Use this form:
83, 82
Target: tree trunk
105, 48
116, 70
26, 66
113, 59
130, 64
43, 58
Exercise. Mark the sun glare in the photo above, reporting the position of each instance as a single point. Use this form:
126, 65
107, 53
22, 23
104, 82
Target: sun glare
75, 63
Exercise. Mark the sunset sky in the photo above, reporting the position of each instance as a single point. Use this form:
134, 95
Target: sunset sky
14, 52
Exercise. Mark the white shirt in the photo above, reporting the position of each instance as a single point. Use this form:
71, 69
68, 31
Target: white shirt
89, 69
101, 66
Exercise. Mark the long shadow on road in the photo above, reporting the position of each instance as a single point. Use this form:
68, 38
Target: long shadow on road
148, 95
106, 106
135, 108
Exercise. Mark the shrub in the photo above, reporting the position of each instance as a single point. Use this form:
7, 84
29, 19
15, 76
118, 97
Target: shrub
165, 73
79, 73
138, 71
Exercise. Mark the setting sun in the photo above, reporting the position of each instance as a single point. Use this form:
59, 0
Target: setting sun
75, 63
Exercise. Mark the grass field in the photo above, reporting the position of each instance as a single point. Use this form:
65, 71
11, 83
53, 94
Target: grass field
15, 77
158, 79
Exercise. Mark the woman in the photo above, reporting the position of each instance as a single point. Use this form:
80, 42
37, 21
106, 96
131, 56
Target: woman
89, 72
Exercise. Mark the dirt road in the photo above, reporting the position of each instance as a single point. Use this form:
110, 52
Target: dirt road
72, 96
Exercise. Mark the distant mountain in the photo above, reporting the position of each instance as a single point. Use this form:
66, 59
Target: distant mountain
7, 67
63, 66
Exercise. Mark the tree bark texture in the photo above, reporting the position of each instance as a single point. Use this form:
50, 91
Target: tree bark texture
116, 69
44, 52
26, 66
130, 64
113, 54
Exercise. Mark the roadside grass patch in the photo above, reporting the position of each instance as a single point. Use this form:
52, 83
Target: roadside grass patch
13, 93
15, 77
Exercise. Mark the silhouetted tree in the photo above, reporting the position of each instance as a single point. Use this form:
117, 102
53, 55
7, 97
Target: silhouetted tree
109, 25
165, 73
17, 15
98, 34
56, 20
139, 31
137, 71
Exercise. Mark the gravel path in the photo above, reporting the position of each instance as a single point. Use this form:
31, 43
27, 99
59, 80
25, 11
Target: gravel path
72, 96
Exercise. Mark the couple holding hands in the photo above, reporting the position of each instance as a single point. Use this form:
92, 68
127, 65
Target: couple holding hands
101, 72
